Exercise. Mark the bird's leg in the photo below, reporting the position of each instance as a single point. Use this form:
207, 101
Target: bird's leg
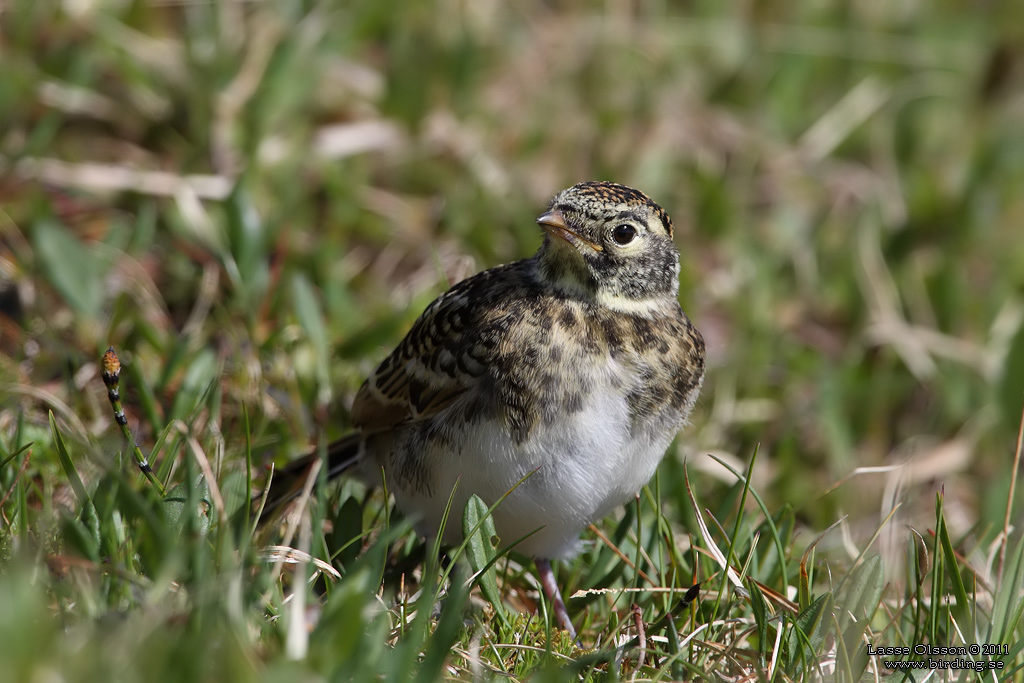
554, 596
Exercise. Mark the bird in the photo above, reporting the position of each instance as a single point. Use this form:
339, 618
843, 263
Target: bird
557, 381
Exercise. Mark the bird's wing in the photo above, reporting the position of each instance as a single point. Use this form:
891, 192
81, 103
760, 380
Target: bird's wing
443, 357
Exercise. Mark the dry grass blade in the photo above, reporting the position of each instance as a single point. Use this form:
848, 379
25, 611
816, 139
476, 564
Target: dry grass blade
108, 178
621, 555
282, 553
709, 540
1009, 500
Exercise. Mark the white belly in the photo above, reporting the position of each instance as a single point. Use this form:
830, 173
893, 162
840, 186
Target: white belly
577, 471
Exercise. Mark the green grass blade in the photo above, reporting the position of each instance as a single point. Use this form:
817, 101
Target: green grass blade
807, 634
88, 529
856, 603
479, 532
310, 314
961, 608
761, 616
68, 465
1008, 604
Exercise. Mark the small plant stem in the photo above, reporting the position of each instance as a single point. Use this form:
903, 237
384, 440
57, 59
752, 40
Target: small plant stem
111, 378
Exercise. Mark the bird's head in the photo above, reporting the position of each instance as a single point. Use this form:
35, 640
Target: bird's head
611, 244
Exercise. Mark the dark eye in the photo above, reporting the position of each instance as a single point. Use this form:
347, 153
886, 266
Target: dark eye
623, 234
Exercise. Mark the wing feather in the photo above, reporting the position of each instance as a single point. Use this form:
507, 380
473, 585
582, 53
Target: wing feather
439, 361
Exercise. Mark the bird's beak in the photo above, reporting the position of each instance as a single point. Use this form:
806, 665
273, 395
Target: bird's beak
553, 223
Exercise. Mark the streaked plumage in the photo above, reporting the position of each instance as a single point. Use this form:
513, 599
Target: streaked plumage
576, 366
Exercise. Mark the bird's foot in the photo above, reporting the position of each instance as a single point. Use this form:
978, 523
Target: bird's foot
554, 596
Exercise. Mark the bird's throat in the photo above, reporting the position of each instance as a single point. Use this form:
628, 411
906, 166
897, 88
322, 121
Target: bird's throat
561, 266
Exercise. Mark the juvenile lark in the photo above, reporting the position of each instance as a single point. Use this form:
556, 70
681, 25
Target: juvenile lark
576, 365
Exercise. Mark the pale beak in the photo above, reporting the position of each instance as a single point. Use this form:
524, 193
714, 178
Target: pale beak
553, 223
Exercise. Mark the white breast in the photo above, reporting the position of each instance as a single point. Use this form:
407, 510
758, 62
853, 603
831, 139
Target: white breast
579, 470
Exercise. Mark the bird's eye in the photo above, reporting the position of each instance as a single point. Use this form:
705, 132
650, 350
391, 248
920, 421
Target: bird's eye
623, 234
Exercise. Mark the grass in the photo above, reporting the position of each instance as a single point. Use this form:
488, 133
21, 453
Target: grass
253, 201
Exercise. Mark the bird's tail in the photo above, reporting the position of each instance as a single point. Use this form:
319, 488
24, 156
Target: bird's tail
288, 482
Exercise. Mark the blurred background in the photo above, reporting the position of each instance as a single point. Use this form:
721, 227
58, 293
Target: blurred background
252, 201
